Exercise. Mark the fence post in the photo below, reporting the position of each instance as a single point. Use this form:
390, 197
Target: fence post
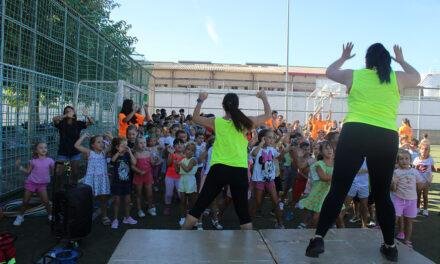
418, 113
119, 98
75, 95
2, 45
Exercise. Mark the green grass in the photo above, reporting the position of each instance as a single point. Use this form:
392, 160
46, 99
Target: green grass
435, 153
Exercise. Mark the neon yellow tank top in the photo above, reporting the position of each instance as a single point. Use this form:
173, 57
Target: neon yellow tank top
230, 145
371, 102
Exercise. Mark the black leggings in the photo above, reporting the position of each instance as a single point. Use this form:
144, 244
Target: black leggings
380, 147
220, 175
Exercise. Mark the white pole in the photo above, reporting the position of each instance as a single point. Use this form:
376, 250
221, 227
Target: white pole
418, 114
287, 59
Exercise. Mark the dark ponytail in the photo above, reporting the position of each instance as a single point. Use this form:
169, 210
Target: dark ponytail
406, 121
240, 120
379, 58
263, 132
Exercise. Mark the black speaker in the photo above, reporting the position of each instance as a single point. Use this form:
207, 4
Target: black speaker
72, 212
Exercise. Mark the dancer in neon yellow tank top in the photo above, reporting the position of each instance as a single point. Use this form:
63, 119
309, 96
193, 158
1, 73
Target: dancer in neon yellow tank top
369, 131
229, 162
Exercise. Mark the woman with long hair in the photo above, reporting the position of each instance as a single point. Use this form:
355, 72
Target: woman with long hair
130, 115
405, 129
370, 132
69, 128
229, 161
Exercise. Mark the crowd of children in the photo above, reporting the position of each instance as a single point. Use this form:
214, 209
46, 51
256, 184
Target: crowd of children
292, 164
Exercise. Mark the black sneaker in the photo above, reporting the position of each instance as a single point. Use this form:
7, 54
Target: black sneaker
316, 247
390, 253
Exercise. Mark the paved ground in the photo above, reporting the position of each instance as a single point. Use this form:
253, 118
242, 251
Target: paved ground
34, 236
342, 246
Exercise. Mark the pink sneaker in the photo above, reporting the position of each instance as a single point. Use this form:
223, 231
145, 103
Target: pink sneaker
400, 236
129, 221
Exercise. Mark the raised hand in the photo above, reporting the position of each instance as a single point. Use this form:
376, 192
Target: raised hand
170, 149
85, 135
346, 51
261, 94
85, 111
18, 163
398, 54
108, 134
203, 96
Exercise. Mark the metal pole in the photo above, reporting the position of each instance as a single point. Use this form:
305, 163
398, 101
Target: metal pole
287, 59
418, 113
2, 45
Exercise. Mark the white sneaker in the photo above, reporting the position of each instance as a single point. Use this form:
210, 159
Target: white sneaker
425, 212
152, 211
182, 221
281, 205
50, 217
199, 226
19, 220
302, 226
371, 224
279, 226
141, 213
206, 212
216, 224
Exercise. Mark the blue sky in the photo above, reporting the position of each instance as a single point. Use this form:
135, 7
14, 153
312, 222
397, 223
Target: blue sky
240, 31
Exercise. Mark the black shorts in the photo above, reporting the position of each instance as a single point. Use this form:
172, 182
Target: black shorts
120, 189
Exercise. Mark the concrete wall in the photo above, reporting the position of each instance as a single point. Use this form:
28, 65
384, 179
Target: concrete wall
298, 106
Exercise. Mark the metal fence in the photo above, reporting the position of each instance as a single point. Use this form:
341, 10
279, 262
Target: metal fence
50, 57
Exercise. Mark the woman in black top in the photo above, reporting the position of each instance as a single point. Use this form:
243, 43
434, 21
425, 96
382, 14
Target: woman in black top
69, 129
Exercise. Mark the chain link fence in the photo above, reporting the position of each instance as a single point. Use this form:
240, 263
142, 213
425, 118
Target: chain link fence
50, 57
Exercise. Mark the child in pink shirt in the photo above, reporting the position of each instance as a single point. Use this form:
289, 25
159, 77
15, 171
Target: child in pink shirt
39, 170
404, 186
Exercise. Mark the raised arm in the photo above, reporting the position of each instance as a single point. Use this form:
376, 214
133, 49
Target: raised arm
23, 169
200, 120
257, 148
129, 116
89, 119
78, 144
57, 119
410, 77
147, 114
191, 164
261, 119
334, 71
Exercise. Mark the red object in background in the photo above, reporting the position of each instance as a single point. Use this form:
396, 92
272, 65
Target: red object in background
7, 247
249, 136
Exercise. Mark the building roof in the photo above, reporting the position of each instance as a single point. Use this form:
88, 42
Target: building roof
238, 68
431, 80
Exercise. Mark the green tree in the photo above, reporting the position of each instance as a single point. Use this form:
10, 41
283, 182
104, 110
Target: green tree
97, 12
